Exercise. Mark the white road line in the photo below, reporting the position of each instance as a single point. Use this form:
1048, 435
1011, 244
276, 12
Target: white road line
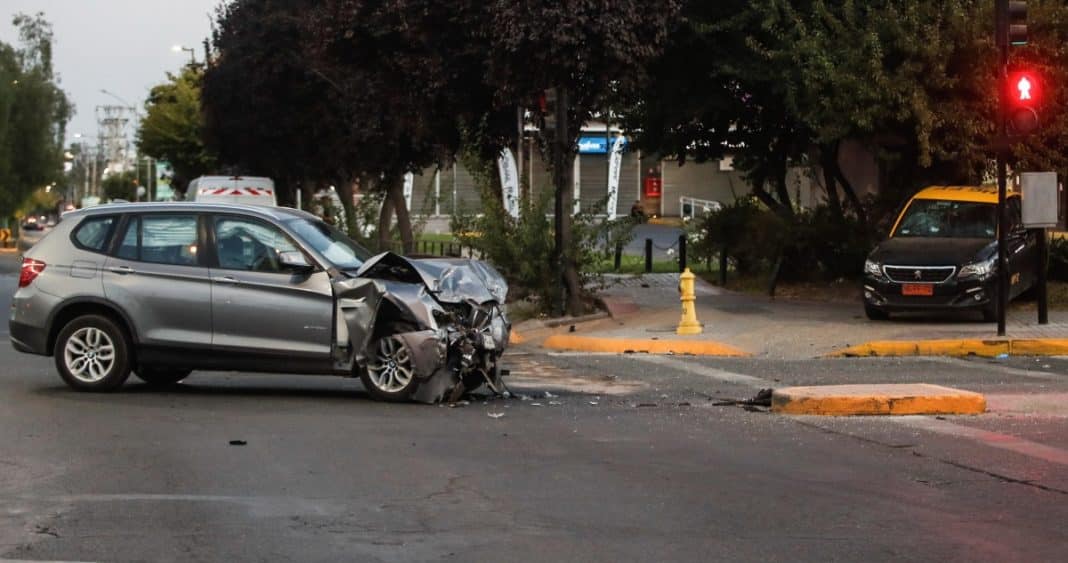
996, 368
711, 373
988, 438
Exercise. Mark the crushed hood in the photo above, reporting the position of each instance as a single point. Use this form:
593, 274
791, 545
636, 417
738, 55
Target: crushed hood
451, 280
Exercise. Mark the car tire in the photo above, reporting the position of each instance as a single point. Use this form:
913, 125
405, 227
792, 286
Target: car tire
161, 376
875, 314
92, 353
390, 373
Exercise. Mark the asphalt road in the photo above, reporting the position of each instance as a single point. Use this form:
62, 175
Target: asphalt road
625, 459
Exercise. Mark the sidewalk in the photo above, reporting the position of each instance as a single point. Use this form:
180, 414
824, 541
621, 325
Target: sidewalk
647, 308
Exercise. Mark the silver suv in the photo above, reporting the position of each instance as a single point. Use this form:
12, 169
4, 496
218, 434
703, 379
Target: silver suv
163, 289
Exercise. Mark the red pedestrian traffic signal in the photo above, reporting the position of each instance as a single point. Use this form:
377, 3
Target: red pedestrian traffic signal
1024, 97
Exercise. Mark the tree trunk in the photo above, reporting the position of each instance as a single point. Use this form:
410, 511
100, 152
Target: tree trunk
783, 192
828, 158
563, 170
308, 187
384, 216
400, 207
847, 187
344, 193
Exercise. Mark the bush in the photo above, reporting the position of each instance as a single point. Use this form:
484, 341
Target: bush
521, 249
814, 244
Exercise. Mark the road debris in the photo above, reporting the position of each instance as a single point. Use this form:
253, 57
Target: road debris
761, 399
238, 442
495, 414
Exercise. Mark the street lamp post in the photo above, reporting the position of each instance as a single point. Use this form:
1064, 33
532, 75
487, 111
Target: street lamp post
192, 53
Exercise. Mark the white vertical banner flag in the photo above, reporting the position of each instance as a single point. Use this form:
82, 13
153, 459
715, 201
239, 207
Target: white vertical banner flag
509, 182
409, 183
615, 164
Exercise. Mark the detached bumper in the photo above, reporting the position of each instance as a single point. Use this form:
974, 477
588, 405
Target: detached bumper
953, 295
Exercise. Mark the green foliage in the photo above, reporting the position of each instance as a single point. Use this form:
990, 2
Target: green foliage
120, 186
173, 127
41, 201
814, 244
521, 249
33, 114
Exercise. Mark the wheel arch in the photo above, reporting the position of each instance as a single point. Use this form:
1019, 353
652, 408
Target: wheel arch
74, 308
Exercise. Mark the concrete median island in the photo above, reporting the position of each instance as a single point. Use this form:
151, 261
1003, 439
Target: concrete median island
876, 399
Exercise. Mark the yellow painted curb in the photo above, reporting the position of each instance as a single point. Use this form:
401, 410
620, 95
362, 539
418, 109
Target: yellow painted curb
869, 400
623, 345
957, 347
1039, 346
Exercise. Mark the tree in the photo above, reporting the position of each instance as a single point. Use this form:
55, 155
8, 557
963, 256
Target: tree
591, 53
33, 114
777, 82
120, 186
266, 112
408, 76
173, 127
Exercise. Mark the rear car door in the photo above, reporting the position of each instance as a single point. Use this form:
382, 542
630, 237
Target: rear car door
261, 308
155, 274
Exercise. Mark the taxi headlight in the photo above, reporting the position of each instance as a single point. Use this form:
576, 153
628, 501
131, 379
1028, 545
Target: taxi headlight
982, 270
873, 268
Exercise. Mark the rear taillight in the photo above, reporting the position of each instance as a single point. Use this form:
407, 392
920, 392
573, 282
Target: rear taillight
30, 270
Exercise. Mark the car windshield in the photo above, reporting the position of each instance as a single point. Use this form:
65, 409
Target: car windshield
948, 219
331, 243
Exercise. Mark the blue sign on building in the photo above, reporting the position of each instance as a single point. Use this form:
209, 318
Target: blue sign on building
596, 145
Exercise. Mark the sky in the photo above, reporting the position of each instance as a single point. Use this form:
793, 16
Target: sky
122, 46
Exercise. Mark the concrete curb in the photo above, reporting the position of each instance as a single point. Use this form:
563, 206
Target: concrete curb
870, 400
957, 348
626, 345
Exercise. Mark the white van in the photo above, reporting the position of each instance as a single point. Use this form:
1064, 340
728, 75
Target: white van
251, 190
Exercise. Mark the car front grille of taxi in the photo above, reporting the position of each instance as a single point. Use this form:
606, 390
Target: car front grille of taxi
919, 274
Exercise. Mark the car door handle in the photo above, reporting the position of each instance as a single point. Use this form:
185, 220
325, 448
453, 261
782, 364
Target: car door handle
122, 270
226, 279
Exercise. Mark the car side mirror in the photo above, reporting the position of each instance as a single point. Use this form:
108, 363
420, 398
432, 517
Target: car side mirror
295, 262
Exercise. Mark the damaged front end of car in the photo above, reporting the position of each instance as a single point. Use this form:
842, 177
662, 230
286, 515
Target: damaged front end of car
426, 330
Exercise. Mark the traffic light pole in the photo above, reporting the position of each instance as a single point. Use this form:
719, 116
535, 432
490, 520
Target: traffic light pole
1001, 38
1002, 41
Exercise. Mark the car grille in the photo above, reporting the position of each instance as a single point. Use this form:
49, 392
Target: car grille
927, 274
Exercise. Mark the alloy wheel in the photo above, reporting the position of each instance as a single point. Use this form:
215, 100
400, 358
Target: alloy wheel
391, 371
89, 354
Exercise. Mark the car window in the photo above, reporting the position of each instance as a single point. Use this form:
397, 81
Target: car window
339, 249
161, 239
94, 232
245, 244
948, 219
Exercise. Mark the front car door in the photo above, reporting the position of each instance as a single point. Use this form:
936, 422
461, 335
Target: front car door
1022, 250
156, 275
260, 308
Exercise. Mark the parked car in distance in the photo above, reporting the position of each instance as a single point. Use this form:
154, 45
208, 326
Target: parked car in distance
249, 190
163, 289
30, 233
942, 255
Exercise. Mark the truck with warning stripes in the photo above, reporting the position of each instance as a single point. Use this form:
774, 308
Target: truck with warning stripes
251, 190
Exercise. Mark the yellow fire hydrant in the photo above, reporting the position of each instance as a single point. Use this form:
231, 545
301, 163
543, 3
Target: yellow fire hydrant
688, 324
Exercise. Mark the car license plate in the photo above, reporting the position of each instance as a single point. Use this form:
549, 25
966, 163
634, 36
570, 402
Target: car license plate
917, 289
